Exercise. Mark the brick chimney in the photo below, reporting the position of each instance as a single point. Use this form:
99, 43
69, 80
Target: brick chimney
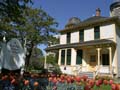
98, 11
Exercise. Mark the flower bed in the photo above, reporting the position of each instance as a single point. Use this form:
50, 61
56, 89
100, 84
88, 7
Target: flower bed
67, 82
26, 82
55, 82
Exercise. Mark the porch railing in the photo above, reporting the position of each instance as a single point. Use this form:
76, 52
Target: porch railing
96, 71
104, 70
79, 68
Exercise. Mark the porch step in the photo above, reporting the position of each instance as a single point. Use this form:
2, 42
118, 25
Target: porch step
89, 74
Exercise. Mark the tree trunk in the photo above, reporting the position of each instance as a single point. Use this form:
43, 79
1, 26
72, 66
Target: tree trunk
27, 61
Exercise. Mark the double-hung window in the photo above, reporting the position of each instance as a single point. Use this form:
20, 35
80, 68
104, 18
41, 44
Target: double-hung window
96, 32
68, 37
81, 35
68, 56
63, 57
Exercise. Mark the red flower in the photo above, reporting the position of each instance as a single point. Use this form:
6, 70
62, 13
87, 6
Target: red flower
68, 80
50, 79
14, 82
26, 82
97, 83
91, 83
87, 87
105, 82
4, 77
78, 78
62, 76
54, 80
85, 77
36, 84
100, 81
113, 86
111, 82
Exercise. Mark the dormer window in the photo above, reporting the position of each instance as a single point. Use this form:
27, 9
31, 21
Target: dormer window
68, 37
81, 35
96, 32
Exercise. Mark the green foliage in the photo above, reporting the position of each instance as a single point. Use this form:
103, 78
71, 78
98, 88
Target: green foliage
36, 54
19, 20
102, 87
57, 69
103, 77
12, 10
51, 59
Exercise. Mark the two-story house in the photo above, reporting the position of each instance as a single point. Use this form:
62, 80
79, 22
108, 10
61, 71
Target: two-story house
91, 45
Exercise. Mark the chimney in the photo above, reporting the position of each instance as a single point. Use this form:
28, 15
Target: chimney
98, 11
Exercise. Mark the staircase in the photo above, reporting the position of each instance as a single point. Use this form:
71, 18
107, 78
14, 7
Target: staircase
89, 74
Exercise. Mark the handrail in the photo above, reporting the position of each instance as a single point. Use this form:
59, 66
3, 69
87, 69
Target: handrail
112, 71
77, 69
97, 70
81, 69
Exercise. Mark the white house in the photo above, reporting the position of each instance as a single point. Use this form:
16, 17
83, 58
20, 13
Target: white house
91, 45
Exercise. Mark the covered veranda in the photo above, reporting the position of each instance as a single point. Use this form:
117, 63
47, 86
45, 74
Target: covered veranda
98, 56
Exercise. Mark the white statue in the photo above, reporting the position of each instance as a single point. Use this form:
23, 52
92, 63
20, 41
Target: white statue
12, 55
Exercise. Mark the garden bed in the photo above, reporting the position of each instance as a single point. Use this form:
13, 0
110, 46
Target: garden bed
31, 81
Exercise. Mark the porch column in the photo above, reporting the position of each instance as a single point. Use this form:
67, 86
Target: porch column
65, 57
45, 65
98, 50
59, 60
110, 58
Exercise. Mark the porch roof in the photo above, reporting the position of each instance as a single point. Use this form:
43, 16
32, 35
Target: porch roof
80, 44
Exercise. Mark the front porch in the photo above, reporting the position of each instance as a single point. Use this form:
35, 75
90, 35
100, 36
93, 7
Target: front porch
96, 56
96, 60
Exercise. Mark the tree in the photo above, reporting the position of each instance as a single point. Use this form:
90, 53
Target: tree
36, 60
11, 11
39, 28
19, 20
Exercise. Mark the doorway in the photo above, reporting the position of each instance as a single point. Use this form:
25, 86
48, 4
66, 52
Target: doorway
105, 59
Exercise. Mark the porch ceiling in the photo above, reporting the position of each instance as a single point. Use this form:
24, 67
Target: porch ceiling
81, 44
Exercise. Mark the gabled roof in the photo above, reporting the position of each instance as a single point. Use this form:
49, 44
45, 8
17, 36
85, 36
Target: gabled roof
91, 22
94, 19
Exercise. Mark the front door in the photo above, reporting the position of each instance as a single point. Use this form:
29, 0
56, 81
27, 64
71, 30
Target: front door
92, 62
79, 57
105, 59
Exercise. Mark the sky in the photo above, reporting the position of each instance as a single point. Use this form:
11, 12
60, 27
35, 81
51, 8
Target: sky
63, 10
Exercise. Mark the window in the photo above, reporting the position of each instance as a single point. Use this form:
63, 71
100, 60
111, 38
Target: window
62, 57
93, 58
79, 57
68, 37
68, 56
97, 32
81, 35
